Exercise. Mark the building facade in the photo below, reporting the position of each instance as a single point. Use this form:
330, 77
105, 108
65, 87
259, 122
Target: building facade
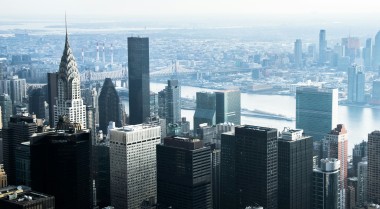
316, 110
170, 102
373, 167
295, 169
109, 106
298, 61
138, 80
190, 186
69, 101
6, 109
249, 174
133, 164
326, 193
228, 107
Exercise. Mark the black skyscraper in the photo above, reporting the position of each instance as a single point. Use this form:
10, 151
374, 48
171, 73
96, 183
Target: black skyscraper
109, 106
37, 102
20, 128
249, 168
138, 80
184, 174
61, 165
295, 170
52, 94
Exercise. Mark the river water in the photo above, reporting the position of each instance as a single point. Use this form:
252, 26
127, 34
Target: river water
359, 121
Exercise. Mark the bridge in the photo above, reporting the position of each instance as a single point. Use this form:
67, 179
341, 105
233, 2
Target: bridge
122, 73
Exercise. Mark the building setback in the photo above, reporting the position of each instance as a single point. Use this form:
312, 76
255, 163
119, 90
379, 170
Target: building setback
249, 167
190, 186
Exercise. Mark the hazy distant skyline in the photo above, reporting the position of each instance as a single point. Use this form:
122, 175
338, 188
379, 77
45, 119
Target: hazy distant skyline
167, 8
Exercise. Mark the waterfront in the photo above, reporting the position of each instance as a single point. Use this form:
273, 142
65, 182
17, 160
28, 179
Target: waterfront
359, 120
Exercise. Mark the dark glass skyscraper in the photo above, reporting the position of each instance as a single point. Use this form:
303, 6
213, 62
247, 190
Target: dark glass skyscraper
184, 174
374, 167
249, 167
61, 165
295, 170
109, 106
52, 94
316, 110
138, 80
205, 109
20, 129
37, 102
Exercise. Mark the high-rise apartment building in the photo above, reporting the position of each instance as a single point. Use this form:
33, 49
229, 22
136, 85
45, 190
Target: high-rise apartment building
298, 61
185, 181
133, 164
228, 107
295, 169
374, 167
109, 106
326, 194
61, 164
15, 88
249, 167
322, 47
316, 110
170, 102
69, 101
138, 80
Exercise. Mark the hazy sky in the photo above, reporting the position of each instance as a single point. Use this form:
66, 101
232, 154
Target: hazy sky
20, 8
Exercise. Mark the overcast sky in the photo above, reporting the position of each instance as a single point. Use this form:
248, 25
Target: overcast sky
20, 8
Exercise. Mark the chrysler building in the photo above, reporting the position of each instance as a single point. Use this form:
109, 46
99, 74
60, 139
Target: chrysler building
69, 101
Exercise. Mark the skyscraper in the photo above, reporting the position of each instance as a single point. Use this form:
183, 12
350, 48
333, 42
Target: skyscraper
69, 101
15, 88
326, 193
190, 186
205, 111
52, 94
6, 109
37, 102
335, 145
316, 110
228, 107
376, 92
295, 169
133, 164
322, 47
109, 106
249, 167
356, 85
362, 174
358, 153
376, 52
3, 177
367, 54
20, 129
61, 164
138, 80
373, 167
298, 62
170, 102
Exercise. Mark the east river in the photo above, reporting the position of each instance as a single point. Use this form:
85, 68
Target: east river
359, 121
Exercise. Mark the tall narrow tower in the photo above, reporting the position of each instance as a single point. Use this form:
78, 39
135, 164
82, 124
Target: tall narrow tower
69, 101
104, 55
111, 54
97, 52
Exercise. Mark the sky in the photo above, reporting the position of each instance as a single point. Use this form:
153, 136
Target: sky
168, 8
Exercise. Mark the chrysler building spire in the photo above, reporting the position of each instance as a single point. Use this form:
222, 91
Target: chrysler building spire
69, 101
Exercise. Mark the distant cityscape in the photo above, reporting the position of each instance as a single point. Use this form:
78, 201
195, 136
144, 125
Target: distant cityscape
176, 119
